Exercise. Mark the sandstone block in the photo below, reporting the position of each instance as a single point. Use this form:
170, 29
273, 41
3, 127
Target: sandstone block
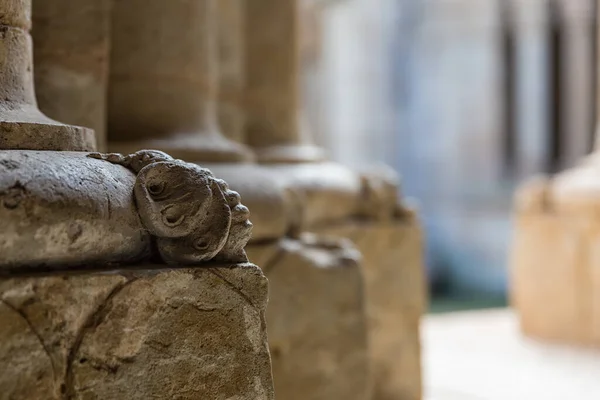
550, 282
555, 257
317, 321
396, 299
145, 334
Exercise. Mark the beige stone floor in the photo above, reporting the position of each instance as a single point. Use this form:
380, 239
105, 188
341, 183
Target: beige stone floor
481, 356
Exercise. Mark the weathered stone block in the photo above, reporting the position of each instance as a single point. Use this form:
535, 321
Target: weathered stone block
169, 334
555, 257
549, 278
317, 321
396, 299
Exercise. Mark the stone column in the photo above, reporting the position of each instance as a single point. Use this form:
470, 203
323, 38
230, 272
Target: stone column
577, 80
71, 46
121, 276
555, 259
336, 202
163, 80
275, 127
231, 22
22, 124
296, 266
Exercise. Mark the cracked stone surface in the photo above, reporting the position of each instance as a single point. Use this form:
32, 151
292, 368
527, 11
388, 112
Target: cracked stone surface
316, 318
176, 334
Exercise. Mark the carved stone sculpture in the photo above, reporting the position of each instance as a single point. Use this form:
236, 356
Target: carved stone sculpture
193, 215
90, 216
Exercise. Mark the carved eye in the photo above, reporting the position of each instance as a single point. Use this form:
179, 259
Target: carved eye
156, 188
172, 221
201, 245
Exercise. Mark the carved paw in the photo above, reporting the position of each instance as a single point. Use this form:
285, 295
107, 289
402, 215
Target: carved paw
194, 216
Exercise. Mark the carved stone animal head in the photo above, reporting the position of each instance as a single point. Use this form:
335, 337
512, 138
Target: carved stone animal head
193, 215
174, 199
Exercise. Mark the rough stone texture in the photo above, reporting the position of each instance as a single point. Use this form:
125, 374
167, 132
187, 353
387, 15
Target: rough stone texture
316, 318
167, 105
168, 334
63, 209
396, 299
72, 48
22, 125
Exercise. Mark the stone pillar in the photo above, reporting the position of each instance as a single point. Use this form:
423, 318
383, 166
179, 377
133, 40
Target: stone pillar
121, 276
555, 283
295, 266
71, 46
169, 104
230, 27
336, 202
275, 129
577, 79
531, 24
22, 124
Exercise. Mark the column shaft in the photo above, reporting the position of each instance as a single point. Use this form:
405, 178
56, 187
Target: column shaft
163, 82
231, 68
22, 125
71, 46
275, 128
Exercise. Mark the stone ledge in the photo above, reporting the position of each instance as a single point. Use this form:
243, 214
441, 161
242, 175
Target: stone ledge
186, 334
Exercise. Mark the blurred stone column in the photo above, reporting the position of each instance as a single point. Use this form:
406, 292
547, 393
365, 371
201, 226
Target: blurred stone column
231, 23
336, 202
578, 21
275, 126
555, 258
531, 24
164, 81
72, 46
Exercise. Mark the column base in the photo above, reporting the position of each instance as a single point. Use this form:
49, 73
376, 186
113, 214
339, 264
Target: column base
392, 254
185, 334
289, 154
555, 287
272, 210
191, 148
63, 209
317, 320
26, 128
